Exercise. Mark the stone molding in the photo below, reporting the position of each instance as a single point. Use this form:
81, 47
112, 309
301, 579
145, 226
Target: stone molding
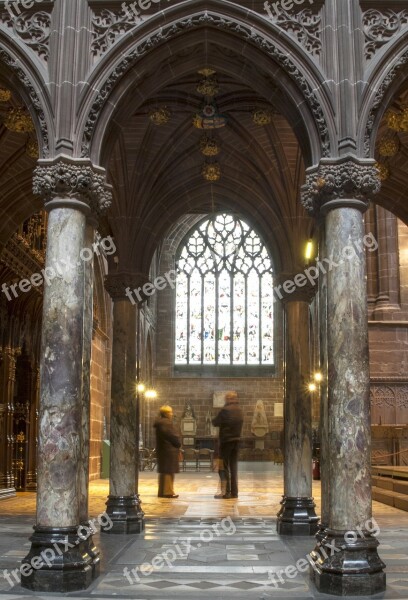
116, 284
69, 179
379, 27
345, 182
35, 102
378, 99
174, 29
32, 29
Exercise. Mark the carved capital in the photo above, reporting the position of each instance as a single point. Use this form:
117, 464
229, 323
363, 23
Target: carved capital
126, 286
69, 179
347, 182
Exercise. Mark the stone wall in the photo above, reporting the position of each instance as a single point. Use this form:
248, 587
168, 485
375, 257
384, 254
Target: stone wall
199, 392
100, 394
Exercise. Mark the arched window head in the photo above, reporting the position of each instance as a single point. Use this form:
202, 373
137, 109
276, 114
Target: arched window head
224, 296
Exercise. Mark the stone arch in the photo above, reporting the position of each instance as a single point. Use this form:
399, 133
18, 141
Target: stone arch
385, 77
25, 78
112, 85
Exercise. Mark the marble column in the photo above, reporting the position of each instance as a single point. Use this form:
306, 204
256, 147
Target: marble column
297, 515
59, 559
124, 505
324, 415
349, 563
33, 439
86, 392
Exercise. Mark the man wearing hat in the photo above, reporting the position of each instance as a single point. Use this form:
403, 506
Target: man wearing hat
230, 420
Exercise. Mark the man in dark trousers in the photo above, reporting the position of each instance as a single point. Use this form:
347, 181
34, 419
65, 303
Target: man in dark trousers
167, 451
230, 420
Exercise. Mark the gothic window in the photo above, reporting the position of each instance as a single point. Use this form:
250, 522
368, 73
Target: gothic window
224, 296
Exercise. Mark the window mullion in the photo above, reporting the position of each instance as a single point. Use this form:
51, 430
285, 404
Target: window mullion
232, 307
188, 316
260, 319
217, 320
246, 318
202, 318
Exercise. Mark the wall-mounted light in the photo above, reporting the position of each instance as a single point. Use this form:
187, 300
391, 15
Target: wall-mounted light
309, 250
151, 394
318, 377
312, 387
141, 388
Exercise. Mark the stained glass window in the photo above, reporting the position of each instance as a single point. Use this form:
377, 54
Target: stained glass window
224, 296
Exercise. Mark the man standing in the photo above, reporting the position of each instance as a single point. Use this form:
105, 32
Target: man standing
230, 420
167, 451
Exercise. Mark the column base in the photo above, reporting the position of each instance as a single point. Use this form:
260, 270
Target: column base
58, 561
125, 514
348, 568
297, 517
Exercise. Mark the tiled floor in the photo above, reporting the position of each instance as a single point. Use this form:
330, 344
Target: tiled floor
202, 547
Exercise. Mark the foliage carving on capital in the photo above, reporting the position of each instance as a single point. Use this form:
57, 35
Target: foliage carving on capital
379, 27
303, 26
73, 180
173, 29
349, 180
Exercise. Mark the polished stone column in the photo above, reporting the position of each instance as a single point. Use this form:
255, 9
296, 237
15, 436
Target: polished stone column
297, 515
356, 568
349, 563
88, 255
324, 414
32, 442
59, 558
124, 505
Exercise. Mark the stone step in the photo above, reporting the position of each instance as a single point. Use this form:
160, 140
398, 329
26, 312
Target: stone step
390, 497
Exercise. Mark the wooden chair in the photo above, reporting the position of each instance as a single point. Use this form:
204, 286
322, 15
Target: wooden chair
190, 459
205, 459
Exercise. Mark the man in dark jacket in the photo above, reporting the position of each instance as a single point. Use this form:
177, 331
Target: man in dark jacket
230, 420
167, 451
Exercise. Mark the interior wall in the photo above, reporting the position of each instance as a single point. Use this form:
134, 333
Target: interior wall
178, 391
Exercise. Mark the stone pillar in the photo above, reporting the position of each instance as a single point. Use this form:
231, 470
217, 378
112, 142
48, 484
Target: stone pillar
324, 415
388, 267
349, 563
124, 505
59, 558
86, 389
32, 442
7, 487
297, 515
